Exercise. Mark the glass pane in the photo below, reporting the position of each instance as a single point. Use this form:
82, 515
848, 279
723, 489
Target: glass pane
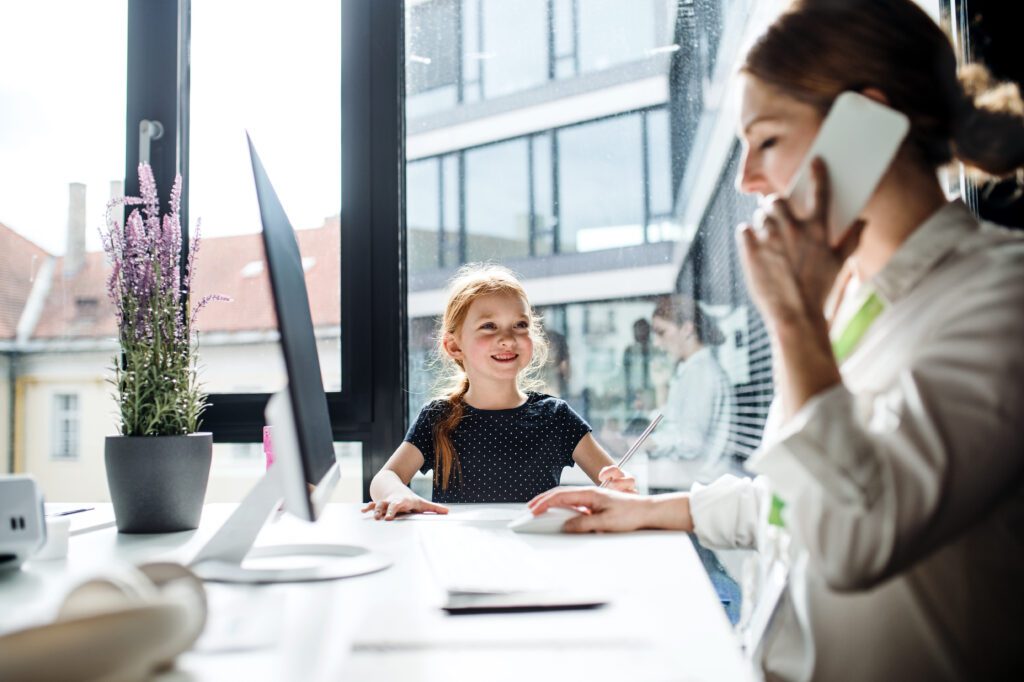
423, 213
582, 207
544, 216
565, 30
451, 213
593, 158
659, 166
288, 98
62, 156
497, 201
514, 54
433, 74
613, 32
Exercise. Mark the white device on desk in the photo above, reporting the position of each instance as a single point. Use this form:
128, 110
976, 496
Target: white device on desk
303, 440
22, 524
551, 521
857, 141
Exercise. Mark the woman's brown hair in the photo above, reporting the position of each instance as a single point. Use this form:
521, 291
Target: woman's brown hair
820, 48
470, 283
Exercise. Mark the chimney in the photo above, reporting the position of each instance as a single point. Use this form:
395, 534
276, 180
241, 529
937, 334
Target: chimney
74, 254
117, 192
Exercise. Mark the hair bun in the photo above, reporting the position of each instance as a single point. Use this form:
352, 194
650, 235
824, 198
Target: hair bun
988, 123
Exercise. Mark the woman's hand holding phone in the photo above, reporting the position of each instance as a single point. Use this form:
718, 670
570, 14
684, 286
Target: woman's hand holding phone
790, 264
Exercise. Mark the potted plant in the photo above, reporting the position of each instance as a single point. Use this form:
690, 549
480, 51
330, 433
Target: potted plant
159, 465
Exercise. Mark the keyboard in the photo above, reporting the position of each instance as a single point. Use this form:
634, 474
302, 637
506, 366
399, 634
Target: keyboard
467, 560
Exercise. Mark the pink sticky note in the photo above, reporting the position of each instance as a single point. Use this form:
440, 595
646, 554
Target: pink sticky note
268, 448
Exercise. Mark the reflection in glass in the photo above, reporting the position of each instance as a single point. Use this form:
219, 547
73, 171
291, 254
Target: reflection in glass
497, 201
691, 442
600, 185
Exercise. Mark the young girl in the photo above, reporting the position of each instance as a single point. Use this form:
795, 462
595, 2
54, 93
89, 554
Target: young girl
489, 439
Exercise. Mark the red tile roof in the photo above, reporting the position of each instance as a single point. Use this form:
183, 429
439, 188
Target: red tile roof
77, 307
20, 260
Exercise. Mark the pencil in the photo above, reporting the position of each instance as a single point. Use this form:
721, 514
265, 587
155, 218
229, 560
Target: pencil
636, 446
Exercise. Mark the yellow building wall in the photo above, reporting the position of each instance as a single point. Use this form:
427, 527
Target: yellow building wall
234, 472
5, 432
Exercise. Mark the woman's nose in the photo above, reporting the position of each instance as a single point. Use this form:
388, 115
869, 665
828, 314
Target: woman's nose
750, 179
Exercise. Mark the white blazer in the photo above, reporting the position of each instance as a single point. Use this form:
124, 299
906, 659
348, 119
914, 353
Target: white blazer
904, 486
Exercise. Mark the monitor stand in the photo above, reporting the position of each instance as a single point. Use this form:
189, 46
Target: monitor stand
229, 556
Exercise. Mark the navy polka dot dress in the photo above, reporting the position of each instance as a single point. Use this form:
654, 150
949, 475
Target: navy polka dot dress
505, 455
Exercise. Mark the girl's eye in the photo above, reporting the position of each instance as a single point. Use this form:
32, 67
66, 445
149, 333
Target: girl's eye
487, 325
522, 325
768, 144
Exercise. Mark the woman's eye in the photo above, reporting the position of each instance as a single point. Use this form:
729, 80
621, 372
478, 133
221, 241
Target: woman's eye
768, 144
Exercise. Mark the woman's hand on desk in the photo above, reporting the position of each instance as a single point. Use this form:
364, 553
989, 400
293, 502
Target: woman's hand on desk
610, 510
402, 503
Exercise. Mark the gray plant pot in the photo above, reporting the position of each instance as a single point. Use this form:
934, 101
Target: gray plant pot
158, 483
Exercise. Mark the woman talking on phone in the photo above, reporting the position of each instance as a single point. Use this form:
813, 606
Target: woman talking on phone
889, 516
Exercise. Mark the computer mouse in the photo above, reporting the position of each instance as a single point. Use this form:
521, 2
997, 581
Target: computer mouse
550, 521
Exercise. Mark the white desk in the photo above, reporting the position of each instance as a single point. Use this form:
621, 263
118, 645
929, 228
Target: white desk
664, 621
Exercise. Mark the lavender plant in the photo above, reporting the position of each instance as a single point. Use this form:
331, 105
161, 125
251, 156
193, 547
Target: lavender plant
156, 376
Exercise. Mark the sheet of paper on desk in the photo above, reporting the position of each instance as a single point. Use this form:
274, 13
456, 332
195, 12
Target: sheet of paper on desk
84, 518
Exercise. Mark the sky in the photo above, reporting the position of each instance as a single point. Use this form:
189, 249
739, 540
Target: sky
268, 67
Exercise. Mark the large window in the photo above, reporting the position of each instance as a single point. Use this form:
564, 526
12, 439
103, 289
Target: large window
166, 62
569, 165
579, 141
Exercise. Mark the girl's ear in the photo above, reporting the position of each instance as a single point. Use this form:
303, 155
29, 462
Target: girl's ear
451, 346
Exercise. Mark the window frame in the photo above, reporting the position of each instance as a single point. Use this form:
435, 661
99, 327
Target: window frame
369, 408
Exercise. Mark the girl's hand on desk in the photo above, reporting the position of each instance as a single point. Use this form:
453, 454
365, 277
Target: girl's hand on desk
393, 505
617, 479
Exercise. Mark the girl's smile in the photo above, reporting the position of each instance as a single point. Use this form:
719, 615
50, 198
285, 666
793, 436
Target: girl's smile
494, 342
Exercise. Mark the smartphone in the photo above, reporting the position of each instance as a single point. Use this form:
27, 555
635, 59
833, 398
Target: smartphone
857, 141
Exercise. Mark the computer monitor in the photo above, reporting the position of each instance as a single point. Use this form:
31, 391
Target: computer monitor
305, 470
306, 398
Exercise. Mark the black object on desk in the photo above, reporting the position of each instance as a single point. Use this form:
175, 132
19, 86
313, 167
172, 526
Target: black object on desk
465, 603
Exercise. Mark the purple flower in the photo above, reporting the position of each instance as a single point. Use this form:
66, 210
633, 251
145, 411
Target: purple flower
156, 370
